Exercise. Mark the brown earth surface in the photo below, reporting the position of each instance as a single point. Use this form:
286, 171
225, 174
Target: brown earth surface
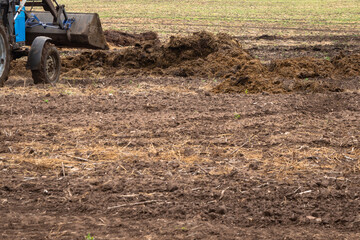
121, 39
143, 143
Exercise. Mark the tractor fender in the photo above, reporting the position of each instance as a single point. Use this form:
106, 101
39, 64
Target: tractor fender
34, 58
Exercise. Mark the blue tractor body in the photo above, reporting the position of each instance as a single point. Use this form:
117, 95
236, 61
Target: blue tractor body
20, 27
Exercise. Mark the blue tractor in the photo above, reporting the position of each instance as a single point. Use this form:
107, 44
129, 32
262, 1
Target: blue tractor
43, 25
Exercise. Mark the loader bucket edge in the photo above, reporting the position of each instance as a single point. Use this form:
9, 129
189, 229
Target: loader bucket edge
85, 32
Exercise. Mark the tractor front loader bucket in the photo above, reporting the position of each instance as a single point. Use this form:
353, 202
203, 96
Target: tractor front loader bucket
85, 31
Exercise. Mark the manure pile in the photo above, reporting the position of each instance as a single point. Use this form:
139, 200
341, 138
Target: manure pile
205, 55
121, 39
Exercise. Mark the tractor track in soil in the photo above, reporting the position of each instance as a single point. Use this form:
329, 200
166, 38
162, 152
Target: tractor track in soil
162, 156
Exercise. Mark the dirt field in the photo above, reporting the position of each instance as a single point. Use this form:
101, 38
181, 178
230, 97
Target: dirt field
200, 137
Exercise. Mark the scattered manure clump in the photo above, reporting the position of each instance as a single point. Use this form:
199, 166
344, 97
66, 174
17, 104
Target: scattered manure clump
221, 56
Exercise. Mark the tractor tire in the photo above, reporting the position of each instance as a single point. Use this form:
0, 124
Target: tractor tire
50, 65
5, 57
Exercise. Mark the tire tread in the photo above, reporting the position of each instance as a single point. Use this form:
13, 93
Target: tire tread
40, 76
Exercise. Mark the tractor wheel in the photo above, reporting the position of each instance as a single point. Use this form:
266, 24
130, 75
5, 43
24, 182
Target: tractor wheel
49, 71
4, 55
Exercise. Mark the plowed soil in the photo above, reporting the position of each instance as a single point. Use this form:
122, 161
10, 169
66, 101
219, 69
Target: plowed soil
200, 137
